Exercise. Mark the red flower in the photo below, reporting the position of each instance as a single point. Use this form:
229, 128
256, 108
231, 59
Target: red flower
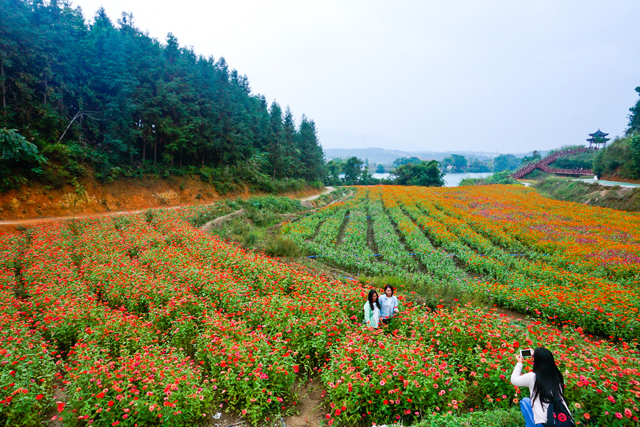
60, 406
40, 396
110, 403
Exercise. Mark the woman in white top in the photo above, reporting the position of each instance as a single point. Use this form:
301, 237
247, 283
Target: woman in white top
388, 304
545, 385
372, 310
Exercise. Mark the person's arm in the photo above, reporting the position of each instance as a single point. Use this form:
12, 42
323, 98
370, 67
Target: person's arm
526, 380
396, 307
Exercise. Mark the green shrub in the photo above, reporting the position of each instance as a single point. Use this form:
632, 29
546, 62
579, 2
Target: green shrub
499, 418
282, 246
503, 177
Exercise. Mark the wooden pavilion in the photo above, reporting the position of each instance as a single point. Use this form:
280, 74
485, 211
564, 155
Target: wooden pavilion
598, 138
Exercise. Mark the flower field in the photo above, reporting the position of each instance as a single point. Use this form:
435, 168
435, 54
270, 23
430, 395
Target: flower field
144, 320
561, 261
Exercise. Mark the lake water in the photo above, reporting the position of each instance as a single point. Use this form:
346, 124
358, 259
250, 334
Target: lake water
450, 179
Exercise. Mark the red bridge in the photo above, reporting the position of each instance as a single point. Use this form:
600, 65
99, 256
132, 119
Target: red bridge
543, 164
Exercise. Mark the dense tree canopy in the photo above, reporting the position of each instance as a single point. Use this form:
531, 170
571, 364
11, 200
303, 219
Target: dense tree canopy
425, 173
506, 162
107, 95
457, 162
405, 160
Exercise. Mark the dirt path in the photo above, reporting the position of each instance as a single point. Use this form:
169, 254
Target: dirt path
310, 406
35, 221
222, 219
12, 224
327, 190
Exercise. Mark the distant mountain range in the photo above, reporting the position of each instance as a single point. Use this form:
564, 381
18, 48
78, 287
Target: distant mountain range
386, 157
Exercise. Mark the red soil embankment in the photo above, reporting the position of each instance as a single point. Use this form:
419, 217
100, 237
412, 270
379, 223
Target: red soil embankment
34, 202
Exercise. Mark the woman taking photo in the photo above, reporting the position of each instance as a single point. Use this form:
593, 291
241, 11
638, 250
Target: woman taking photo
388, 304
372, 310
546, 385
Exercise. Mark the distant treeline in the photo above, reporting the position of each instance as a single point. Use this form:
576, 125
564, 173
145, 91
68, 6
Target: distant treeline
353, 171
110, 97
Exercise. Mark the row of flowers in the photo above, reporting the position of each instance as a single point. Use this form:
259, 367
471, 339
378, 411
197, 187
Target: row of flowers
146, 320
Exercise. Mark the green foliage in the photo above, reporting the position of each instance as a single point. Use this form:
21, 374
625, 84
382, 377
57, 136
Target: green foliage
380, 169
498, 418
425, 173
635, 156
617, 159
535, 156
334, 169
352, 170
107, 98
405, 161
593, 194
506, 162
478, 166
578, 161
458, 163
503, 177
634, 117
16, 155
429, 293
283, 246
14, 147
272, 204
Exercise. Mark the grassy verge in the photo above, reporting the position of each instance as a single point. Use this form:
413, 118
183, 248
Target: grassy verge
621, 198
256, 227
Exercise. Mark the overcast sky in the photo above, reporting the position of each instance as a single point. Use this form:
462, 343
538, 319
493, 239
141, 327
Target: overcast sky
481, 75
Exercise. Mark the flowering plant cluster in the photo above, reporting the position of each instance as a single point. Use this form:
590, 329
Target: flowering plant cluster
144, 320
564, 262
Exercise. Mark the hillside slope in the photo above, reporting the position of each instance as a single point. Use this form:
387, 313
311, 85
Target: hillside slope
621, 198
90, 196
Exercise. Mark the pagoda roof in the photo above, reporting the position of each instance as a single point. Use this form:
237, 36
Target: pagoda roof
598, 134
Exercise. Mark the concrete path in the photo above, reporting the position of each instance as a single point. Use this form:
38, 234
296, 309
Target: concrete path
607, 183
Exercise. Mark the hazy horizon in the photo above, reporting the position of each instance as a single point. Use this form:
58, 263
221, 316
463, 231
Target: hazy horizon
429, 76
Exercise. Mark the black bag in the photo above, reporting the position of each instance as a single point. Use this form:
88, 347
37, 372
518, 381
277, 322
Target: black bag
558, 415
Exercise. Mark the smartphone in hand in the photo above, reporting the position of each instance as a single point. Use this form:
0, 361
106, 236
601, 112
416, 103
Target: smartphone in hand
527, 352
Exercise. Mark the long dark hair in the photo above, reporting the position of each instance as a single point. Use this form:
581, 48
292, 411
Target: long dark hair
549, 381
390, 287
370, 298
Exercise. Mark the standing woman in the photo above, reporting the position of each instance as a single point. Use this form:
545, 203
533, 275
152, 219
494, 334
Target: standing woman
372, 310
545, 383
388, 304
